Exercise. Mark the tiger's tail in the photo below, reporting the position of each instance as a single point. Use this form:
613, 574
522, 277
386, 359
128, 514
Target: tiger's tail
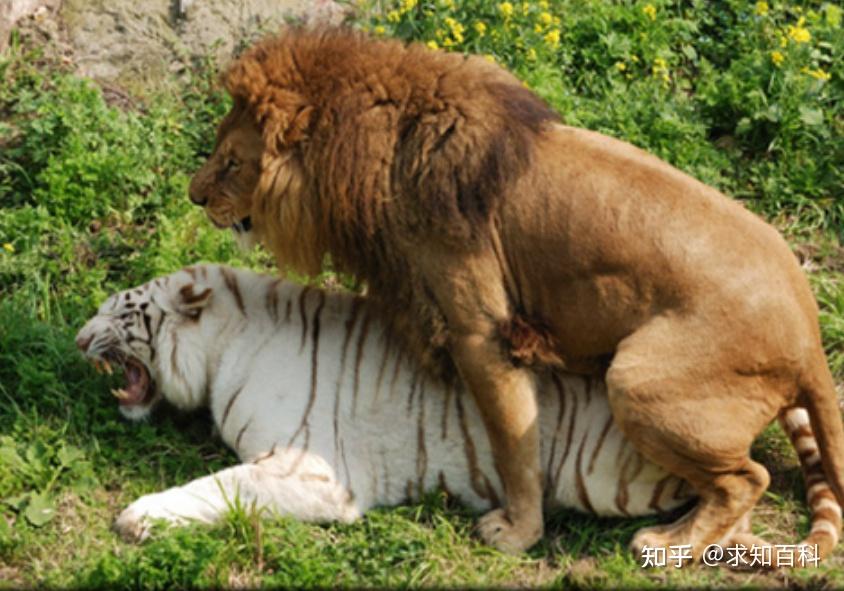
823, 504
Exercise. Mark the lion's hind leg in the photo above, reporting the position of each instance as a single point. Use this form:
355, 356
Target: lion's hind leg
682, 411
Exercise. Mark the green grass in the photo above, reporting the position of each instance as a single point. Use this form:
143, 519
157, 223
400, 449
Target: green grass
93, 200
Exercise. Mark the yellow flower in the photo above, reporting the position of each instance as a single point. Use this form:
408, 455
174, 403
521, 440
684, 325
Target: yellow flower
408, 5
817, 74
777, 57
799, 33
620, 66
379, 30
537, 28
660, 70
783, 41
552, 38
762, 8
432, 44
393, 16
531, 55
525, 7
456, 27
489, 57
506, 9
545, 18
634, 59
650, 11
543, 5
9, 247
448, 42
480, 27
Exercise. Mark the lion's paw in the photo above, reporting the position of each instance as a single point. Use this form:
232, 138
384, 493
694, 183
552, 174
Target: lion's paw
496, 529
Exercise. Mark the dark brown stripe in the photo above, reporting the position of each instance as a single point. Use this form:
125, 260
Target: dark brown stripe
414, 379
802, 430
382, 368
569, 436
599, 444
813, 476
622, 495
824, 514
304, 425
303, 295
449, 392
173, 354
421, 451
229, 407
346, 467
190, 271
230, 279
582, 493
443, 484
265, 457
271, 301
626, 476
350, 326
824, 493
364, 331
550, 484
240, 436
806, 455
469, 450
656, 497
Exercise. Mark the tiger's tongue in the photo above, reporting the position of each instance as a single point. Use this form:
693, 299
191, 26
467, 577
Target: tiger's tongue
137, 382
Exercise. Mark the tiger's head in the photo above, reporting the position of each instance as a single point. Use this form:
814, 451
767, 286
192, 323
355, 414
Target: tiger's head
158, 334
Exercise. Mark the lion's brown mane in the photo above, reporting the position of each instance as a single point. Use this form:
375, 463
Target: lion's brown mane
374, 142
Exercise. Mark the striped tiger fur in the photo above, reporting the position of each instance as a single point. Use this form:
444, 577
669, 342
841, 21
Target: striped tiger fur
330, 418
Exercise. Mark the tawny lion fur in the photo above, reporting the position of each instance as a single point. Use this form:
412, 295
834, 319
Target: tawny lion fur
494, 236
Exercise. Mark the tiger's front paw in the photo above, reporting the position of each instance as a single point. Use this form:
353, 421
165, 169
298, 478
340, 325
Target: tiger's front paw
497, 530
135, 522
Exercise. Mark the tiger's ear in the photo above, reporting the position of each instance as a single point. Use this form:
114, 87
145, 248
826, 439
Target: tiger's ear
191, 299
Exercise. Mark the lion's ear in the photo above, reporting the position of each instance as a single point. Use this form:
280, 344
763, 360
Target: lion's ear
284, 118
191, 299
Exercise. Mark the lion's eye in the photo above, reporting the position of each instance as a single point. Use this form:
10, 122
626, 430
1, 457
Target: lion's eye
231, 164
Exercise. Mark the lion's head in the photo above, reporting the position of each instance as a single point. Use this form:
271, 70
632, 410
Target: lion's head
225, 183
341, 143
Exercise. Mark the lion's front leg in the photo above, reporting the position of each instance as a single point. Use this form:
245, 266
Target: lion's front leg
472, 295
309, 494
507, 401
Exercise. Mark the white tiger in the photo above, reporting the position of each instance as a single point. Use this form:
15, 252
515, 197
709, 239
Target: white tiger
330, 419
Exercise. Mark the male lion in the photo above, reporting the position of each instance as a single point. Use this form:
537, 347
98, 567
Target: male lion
487, 230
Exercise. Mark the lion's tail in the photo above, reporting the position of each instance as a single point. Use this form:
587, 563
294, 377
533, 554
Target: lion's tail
825, 508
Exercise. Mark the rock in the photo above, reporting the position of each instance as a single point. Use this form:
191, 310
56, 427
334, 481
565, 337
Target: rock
139, 44
11, 11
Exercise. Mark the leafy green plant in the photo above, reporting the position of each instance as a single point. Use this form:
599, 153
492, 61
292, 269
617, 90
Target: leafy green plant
93, 200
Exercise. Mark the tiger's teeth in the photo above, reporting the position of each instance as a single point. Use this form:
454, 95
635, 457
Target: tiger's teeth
107, 367
120, 393
98, 365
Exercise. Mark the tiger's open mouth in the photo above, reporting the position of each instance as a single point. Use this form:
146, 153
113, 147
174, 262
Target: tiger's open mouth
138, 390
